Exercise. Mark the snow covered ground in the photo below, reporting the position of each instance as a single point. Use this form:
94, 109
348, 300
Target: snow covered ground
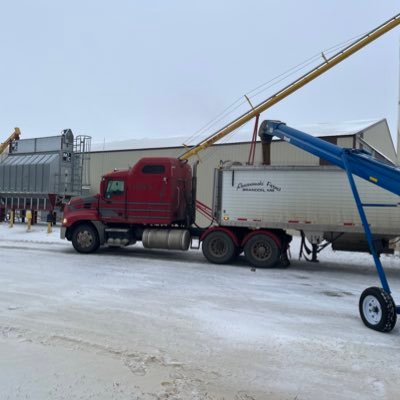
141, 324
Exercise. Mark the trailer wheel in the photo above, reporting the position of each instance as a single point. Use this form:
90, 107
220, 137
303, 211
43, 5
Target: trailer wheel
261, 251
378, 309
85, 239
218, 248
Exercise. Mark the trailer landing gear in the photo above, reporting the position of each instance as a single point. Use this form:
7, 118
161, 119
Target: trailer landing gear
377, 309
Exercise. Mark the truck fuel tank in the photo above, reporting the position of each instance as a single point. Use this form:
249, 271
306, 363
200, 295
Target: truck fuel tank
171, 239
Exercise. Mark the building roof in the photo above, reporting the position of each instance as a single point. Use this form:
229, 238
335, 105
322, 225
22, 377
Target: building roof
319, 129
339, 129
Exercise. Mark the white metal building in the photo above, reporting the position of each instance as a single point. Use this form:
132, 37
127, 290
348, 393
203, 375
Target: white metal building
372, 135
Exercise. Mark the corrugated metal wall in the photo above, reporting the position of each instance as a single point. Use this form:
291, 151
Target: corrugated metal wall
282, 153
30, 173
103, 162
378, 137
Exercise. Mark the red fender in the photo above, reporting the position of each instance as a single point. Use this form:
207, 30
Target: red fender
261, 232
220, 229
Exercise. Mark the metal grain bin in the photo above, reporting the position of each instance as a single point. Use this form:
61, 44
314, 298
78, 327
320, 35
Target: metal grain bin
43, 171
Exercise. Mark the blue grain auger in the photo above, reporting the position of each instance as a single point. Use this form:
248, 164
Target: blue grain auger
377, 307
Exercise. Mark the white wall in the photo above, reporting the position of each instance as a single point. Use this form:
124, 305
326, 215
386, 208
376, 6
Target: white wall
103, 162
282, 153
378, 136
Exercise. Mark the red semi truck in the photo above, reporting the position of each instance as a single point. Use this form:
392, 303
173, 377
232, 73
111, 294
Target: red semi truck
154, 194
254, 208
154, 202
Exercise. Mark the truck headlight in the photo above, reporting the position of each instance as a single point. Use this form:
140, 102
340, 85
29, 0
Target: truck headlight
65, 221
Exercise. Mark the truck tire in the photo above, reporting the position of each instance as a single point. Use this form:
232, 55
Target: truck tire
377, 309
261, 251
85, 239
218, 248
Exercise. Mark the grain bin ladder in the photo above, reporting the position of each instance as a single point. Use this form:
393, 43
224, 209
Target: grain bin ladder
14, 136
377, 307
294, 86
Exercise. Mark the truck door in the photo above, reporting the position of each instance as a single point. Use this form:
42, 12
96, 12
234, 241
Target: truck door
112, 205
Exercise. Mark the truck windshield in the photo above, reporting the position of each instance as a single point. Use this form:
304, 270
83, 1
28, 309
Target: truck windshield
114, 188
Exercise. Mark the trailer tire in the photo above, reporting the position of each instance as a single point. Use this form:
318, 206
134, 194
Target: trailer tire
218, 248
261, 251
377, 309
85, 238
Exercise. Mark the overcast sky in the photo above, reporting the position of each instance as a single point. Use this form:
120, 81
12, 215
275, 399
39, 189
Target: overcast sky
131, 69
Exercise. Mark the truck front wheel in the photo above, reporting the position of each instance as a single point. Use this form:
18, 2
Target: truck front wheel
85, 239
261, 251
218, 248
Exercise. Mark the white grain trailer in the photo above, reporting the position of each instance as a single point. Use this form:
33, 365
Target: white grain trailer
265, 202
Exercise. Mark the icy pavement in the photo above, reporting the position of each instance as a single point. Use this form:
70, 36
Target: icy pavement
141, 324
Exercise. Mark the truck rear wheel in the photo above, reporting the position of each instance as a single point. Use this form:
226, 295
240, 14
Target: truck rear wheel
85, 239
261, 251
377, 309
218, 248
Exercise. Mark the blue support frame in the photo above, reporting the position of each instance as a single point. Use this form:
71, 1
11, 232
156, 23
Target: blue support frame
364, 220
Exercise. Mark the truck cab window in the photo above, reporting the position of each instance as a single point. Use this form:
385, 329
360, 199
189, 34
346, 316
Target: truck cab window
114, 188
153, 169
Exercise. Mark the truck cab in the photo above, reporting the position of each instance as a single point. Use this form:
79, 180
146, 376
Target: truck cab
155, 192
